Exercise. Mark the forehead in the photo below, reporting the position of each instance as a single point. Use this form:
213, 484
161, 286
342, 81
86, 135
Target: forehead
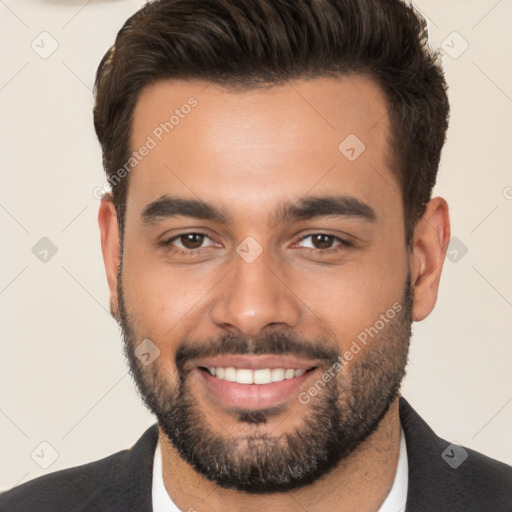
249, 149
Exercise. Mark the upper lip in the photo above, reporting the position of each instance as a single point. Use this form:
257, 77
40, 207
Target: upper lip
256, 362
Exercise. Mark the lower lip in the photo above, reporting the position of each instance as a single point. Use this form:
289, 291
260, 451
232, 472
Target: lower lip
254, 396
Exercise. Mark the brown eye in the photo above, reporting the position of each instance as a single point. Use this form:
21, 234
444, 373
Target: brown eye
192, 240
322, 241
188, 244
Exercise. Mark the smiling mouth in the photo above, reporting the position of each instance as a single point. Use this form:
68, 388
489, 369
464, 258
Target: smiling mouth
260, 376
236, 386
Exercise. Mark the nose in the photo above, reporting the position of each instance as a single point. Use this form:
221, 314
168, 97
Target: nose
253, 296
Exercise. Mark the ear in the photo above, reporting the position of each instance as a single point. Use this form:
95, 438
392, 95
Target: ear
107, 220
431, 239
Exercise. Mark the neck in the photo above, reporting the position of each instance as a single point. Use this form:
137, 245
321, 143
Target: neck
361, 482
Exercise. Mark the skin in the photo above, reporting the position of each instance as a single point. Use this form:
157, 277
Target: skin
266, 147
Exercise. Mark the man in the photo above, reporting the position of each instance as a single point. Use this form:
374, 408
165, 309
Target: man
268, 241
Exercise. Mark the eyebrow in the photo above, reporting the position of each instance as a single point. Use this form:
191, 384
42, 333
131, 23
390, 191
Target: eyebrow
302, 209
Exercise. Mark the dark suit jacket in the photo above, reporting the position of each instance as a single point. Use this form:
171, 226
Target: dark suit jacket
123, 481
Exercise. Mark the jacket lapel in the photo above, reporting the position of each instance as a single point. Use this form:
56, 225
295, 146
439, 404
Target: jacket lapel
129, 487
477, 483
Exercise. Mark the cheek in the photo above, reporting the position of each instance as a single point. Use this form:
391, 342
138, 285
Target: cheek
163, 301
345, 301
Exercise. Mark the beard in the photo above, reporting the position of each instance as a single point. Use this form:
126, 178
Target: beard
335, 422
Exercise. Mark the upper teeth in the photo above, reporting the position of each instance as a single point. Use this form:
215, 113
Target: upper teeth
246, 376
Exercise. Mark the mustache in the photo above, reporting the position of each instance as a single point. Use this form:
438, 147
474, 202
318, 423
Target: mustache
276, 343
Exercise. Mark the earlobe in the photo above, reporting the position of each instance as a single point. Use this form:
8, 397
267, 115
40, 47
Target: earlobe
431, 239
110, 247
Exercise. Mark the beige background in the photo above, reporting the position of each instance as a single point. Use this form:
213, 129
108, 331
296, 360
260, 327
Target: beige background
63, 379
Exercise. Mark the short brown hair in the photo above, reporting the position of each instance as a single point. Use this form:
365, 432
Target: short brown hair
253, 43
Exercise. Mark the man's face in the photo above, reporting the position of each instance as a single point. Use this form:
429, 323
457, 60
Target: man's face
324, 289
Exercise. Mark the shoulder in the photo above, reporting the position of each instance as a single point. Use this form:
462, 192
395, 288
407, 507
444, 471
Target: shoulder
88, 486
72, 486
475, 480
446, 476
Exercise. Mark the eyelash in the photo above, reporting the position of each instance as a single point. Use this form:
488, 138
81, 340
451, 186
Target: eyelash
342, 244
